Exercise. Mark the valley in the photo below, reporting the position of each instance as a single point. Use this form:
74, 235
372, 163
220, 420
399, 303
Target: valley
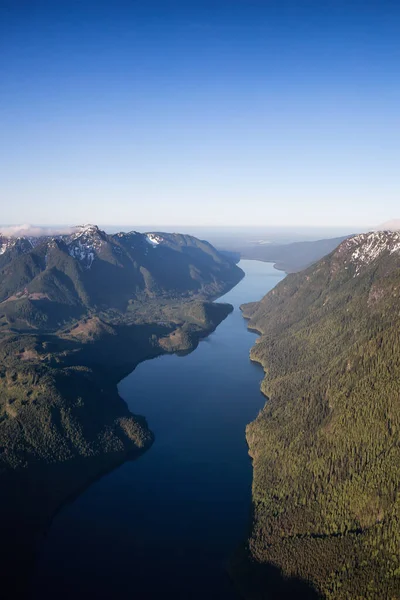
167, 524
324, 446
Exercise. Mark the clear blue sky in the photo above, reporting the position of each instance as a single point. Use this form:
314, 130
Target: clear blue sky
235, 112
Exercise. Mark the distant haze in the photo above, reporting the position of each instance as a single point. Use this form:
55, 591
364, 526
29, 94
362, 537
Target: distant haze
223, 237
34, 230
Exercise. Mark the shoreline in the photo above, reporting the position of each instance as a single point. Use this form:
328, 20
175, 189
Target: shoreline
249, 576
22, 541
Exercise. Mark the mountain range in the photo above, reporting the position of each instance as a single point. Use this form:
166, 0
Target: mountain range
48, 281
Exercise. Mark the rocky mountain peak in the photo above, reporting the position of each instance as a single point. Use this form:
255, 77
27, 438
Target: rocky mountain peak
364, 248
85, 243
86, 230
22, 244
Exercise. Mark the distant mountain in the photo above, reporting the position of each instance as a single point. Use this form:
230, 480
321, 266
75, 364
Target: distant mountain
326, 446
49, 280
393, 225
294, 257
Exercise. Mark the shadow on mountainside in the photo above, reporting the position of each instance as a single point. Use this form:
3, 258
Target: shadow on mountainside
255, 581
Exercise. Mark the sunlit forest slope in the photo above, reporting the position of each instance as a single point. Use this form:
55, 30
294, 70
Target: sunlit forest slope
326, 447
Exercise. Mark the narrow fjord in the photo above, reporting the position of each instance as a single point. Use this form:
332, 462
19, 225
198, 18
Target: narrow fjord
168, 522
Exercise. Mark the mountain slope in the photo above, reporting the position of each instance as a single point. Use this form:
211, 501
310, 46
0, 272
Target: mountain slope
326, 447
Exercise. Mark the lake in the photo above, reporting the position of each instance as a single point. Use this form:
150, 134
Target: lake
164, 525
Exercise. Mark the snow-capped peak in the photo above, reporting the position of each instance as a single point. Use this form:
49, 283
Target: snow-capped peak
84, 244
367, 247
85, 230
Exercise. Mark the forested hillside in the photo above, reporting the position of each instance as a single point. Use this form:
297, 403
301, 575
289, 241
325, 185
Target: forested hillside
78, 313
326, 447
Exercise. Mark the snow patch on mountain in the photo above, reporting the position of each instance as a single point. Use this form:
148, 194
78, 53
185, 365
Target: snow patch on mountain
84, 251
35, 241
7, 243
3, 248
85, 243
87, 230
153, 239
367, 247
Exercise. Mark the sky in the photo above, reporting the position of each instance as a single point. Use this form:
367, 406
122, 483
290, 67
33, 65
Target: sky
223, 112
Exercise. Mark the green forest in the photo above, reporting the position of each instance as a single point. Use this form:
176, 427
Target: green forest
326, 446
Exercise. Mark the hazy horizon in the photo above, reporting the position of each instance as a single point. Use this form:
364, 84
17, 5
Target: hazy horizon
223, 237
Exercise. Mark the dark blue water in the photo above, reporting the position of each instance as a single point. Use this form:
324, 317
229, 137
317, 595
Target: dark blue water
163, 526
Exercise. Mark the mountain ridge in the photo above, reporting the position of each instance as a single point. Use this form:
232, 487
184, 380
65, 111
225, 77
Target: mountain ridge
90, 270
